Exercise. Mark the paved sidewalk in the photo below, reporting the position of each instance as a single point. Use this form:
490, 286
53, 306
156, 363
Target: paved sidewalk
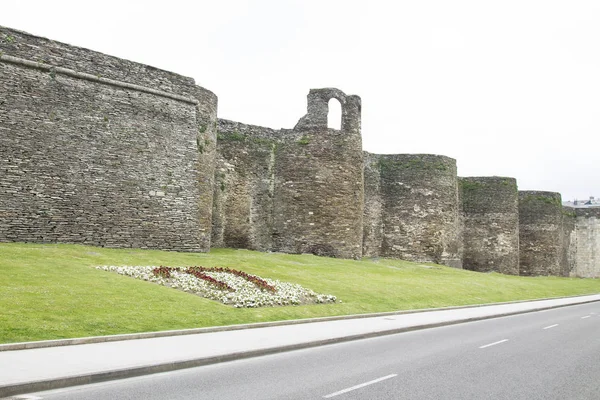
31, 370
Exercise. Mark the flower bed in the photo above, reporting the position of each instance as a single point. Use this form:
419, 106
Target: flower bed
229, 286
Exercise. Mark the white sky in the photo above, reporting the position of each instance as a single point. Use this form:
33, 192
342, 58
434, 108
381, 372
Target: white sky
508, 88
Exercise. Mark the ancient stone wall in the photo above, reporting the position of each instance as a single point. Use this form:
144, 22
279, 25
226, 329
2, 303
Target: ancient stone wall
244, 186
587, 237
319, 181
568, 243
103, 151
491, 224
418, 196
373, 209
540, 226
295, 191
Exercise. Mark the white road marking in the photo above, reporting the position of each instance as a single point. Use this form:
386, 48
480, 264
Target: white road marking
493, 344
551, 326
27, 397
359, 386
587, 316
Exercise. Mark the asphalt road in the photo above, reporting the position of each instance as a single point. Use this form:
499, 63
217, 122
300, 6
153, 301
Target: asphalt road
553, 354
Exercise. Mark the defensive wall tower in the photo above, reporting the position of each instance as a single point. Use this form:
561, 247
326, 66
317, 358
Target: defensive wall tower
586, 263
319, 181
540, 230
418, 198
295, 191
103, 151
491, 224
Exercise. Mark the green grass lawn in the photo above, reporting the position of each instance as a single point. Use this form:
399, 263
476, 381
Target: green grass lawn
54, 291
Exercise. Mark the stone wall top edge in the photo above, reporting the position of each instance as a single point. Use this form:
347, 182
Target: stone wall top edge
229, 122
92, 78
370, 156
494, 178
419, 155
282, 133
208, 93
120, 68
331, 92
585, 211
326, 89
542, 193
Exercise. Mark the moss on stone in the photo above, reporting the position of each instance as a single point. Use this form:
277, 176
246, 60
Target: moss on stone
411, 164
304, 140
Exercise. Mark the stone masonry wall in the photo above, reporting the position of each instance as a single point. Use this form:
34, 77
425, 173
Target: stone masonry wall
295, 191
587, 257
491, 224
373, 209
101, 151
540, 226
420, 218
568, 242
244, 189
318, 202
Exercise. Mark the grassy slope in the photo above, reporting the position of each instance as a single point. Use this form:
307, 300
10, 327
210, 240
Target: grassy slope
53, 291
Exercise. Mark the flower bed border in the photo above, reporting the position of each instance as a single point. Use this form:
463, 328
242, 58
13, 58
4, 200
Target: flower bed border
198, 272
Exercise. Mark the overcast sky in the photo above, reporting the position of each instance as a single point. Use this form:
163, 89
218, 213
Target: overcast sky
508, 88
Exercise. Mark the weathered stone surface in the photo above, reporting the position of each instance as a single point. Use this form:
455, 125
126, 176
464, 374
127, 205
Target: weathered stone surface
319, 181
295, 191
373, 209
568, 243
102, 151
587, 243
245, 185
99, 150
490, 207
540, 226
418, 195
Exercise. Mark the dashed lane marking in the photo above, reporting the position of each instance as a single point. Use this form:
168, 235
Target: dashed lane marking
587, 316
359, 386
551, 326
493, 344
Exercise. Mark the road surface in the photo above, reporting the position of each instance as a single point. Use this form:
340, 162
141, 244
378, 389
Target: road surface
552, 354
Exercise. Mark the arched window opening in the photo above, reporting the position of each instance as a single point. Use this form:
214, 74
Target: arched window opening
334, 117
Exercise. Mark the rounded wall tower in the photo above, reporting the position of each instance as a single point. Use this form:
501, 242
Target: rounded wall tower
319, 185
585, 261
491, 224
420, 215
540, 225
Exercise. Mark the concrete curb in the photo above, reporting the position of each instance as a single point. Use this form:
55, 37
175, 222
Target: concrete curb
38, 386
193, 331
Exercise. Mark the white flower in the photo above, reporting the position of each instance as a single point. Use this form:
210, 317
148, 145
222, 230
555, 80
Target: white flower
244, 294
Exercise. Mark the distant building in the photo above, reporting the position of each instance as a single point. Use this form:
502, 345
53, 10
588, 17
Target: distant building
591, 202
